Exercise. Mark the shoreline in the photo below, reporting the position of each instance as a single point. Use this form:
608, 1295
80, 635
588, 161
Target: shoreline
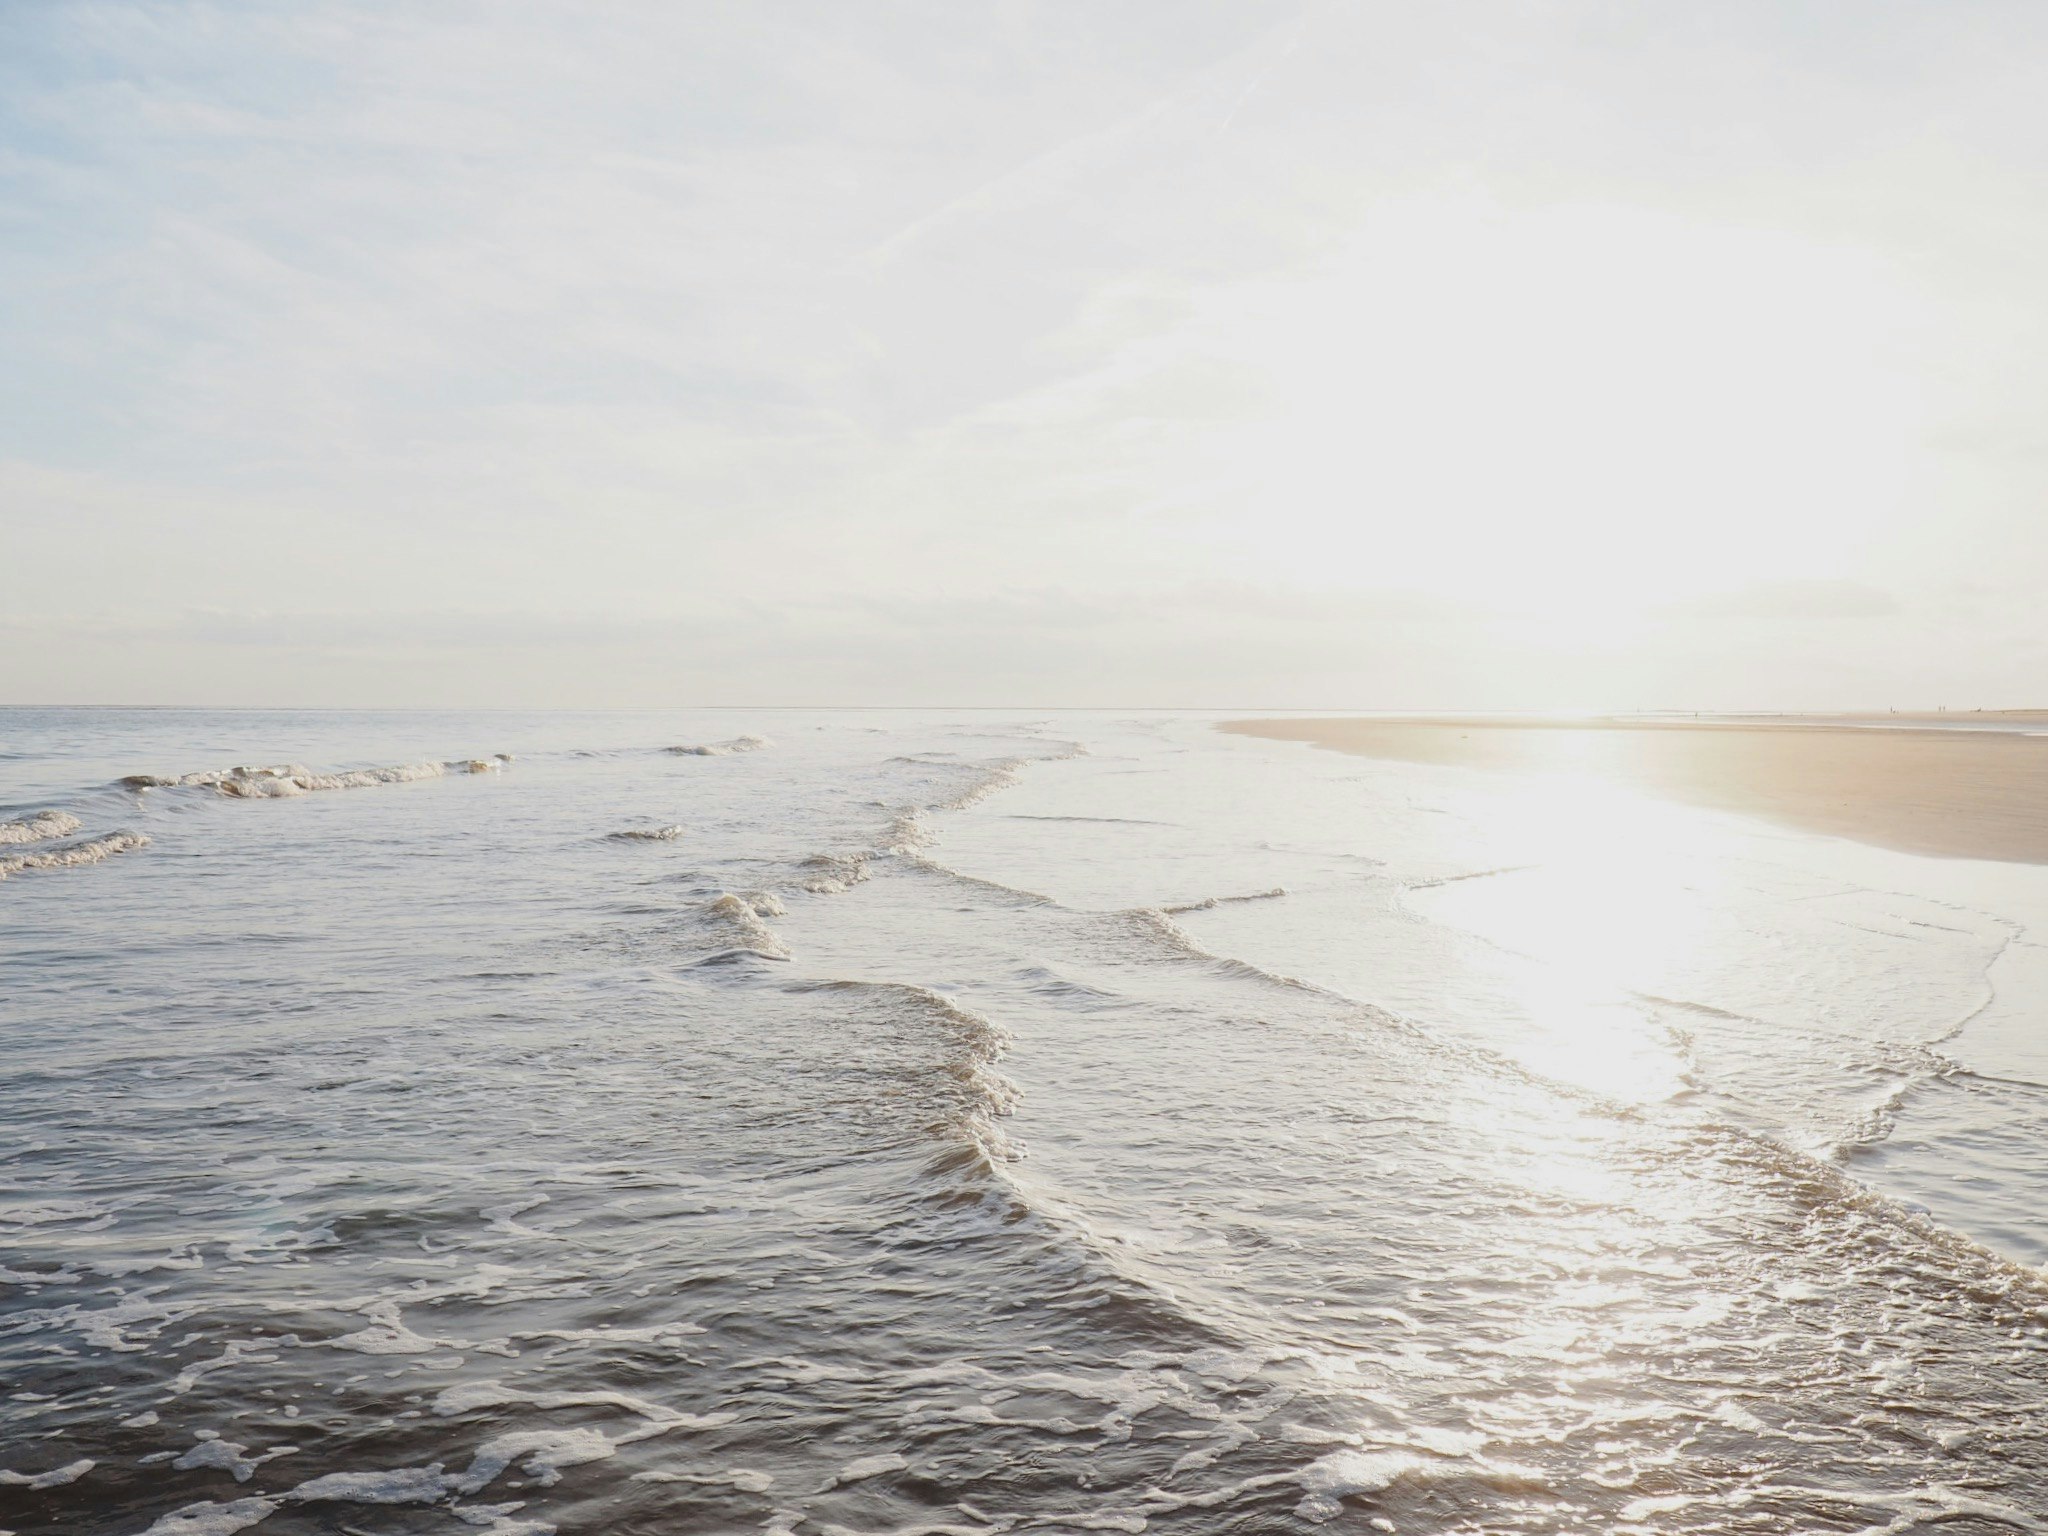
1895, 781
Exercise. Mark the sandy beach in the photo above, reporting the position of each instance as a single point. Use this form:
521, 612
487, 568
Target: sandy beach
1948, 789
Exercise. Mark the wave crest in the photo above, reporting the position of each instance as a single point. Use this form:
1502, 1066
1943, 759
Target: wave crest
646, 835
74, 856
831, 873
974, 1141
285, 780
724, 748
39, 827
1210, 903
741, 915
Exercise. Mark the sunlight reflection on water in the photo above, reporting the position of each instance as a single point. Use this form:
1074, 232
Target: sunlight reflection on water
851, 1161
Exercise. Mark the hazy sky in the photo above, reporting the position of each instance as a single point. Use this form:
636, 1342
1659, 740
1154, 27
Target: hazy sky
1454, 355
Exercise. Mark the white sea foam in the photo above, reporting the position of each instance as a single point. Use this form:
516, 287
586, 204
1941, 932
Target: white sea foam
284, 780
741, 915
403, 1485
388, 1335
1327, 1482
56, 1477
723, 748
646, 835
499, 1520
830, 873
278, 783
125, 1327
36, 1276
72, 855
211, 1519
540, 1453
864, 1467
40, 827
227, 1456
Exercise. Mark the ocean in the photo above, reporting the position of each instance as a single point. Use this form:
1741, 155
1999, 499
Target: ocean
962, 1123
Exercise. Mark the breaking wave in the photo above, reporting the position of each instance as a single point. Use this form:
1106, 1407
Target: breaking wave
39, 827
1209, 903
72, 856
740, 915
280, 782
976, 1046
723, 748
646, 835
830, 873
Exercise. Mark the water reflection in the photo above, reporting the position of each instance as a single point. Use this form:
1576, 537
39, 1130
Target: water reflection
979, 1212
1605, 894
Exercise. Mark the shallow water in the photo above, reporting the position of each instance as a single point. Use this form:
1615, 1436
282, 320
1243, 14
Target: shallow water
985, 1122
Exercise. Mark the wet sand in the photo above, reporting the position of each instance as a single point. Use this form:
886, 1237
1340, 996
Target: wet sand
1954, 792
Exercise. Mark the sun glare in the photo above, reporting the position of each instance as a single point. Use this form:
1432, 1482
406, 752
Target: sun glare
1596, 914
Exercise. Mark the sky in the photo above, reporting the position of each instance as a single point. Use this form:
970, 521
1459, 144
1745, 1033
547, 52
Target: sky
1502, 354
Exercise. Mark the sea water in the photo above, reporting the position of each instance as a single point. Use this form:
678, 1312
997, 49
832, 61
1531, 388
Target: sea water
969, 1123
